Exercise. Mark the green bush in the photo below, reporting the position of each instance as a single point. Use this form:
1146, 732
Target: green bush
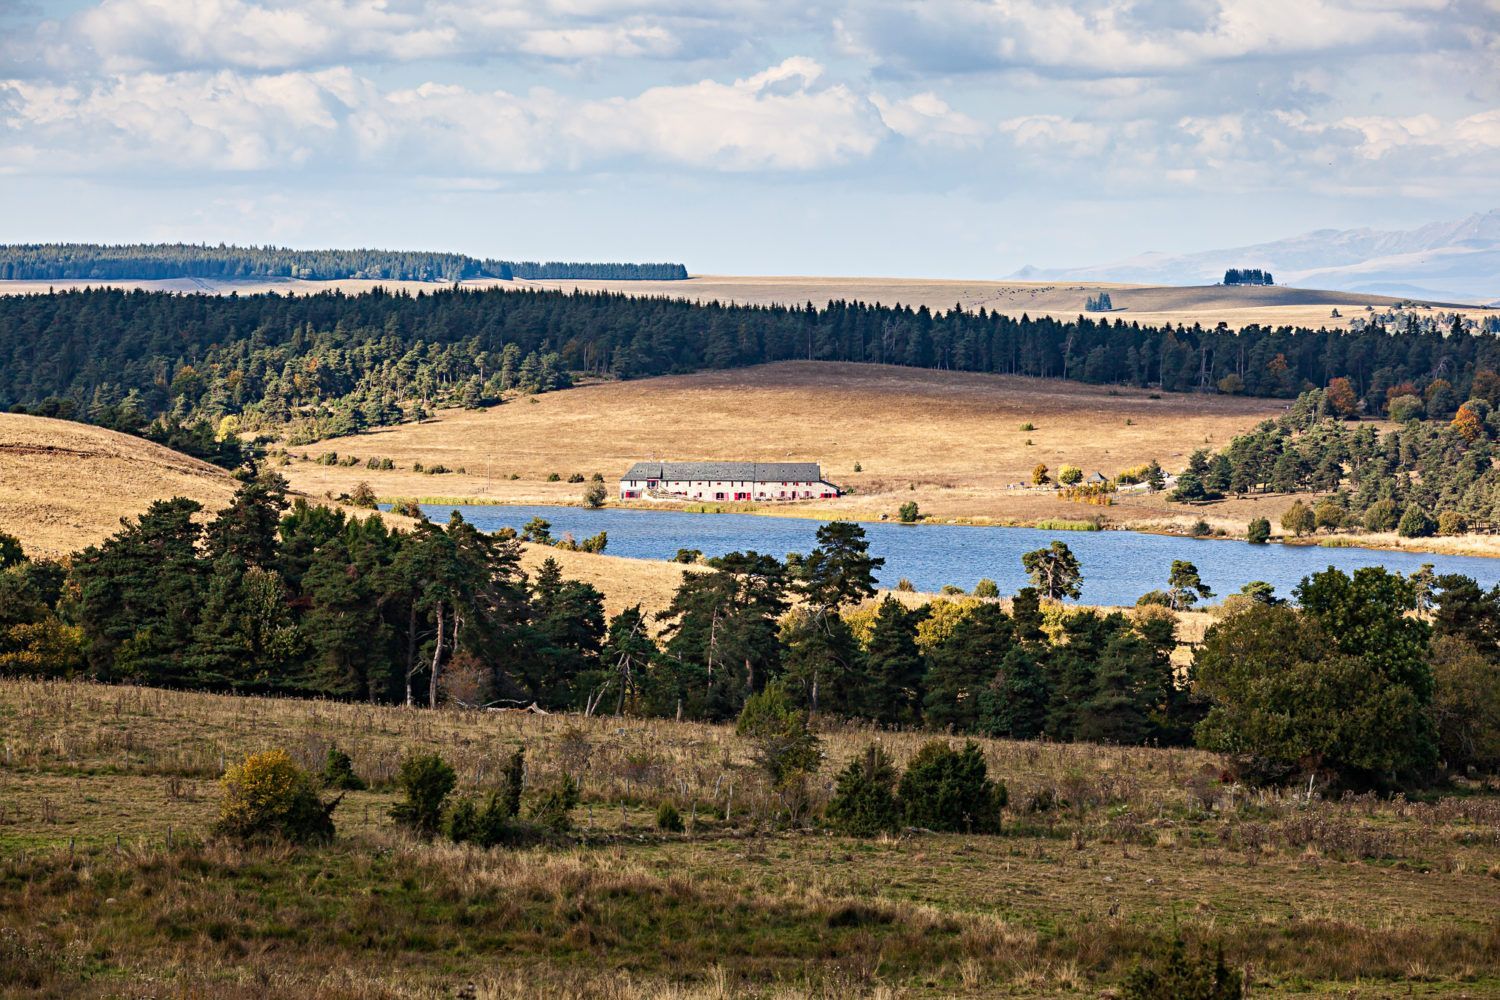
668, 819
1070, 475
425, 780
553, 477
576, 477
863, 803
778, 733
909, 512
1171, 974
950, 790
986, 588
1381, 516
688, 555
1415, 523
338, 772
1259, 532
488, 827
266, 795
595, 495
553, 810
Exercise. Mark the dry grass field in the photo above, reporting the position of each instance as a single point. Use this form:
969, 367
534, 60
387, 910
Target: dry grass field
66, 485
1208, 305
110, 884
951, 441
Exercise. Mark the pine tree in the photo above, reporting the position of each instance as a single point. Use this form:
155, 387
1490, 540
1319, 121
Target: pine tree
894, 666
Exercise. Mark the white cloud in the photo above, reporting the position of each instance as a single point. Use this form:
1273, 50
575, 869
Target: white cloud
928, 119
124, 36
781, 119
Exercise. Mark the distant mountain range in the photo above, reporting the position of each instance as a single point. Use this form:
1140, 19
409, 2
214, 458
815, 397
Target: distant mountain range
1452, 261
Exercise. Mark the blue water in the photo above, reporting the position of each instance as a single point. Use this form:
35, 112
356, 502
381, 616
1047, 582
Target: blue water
1118, 566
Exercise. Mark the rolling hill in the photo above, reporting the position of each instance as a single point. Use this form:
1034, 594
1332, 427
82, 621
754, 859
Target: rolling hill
65, 485
1457, 260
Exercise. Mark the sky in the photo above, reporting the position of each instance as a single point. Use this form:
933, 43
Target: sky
939, 138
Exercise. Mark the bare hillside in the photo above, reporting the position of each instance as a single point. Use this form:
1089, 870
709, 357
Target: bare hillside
64, 485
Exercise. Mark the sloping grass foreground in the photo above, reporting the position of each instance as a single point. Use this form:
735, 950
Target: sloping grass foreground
110, 885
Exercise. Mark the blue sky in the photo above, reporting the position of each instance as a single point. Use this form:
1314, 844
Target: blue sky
953, 138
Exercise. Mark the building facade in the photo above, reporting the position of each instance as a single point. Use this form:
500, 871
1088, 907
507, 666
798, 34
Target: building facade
727, 481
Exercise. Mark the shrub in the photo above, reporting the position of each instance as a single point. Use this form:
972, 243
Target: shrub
487, 827
1329, 514
554, 809
338, 772
668, 818
1415, 523
408, 508
1171, 975
1201, 529
858, 467
363, 496
1299, 520
417, 467
1451, 522
594, 495
910, 513
905, 586
553, 477
1028, 426
949, 790
1070, 475
1039, 475
688, 556
576, 477
863, 804
425, 780
436, 470
986, 588
778, 733
1259, 532
267, 795
1381, 516
1404, 408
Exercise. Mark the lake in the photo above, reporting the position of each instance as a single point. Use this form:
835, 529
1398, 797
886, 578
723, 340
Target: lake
1118, 566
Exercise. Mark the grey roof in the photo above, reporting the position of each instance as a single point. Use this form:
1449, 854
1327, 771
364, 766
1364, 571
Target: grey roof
752, 472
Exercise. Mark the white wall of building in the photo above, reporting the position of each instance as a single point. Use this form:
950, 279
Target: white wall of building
727, 490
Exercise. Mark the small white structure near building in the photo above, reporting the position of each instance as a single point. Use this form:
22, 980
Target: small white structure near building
725, 481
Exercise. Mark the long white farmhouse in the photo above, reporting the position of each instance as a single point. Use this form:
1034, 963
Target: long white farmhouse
725, 481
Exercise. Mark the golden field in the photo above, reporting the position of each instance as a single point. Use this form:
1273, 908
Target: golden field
951, 441
111, 885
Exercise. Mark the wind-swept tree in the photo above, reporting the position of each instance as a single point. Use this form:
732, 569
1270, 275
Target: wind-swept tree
1054, 571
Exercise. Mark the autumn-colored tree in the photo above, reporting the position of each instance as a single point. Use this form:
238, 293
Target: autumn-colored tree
1468, 424
1342, 398
1039, 475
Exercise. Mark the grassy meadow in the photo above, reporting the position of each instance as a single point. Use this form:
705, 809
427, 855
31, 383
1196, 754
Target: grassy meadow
954, 442
110, 884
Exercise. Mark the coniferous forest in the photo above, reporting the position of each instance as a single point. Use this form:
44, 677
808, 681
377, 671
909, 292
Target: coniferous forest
113, 356
149, 261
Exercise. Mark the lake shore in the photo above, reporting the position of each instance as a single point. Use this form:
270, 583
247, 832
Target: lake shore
1469, 545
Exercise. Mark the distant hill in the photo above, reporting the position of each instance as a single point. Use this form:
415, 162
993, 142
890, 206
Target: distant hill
157, 261
1443, 260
